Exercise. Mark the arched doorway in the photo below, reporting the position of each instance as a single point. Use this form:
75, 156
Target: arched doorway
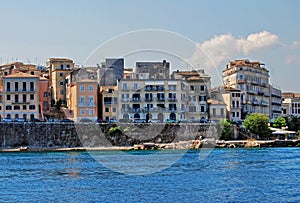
172, 116
126, 116
31, 116
136, 115
160, 117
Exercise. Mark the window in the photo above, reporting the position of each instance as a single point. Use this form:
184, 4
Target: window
32, 73
24, 86
114, 109
82, 111
16, 86
61, 67
61, 83
31, 107
81, 100
45, 104
24, 107
82, 89
31, 86
233, 104
214, 112
135, 86
45, 94
16, 98
68, 66
202, 108
0, 107
17, 107
62, 92
8, 86
193, 98
91, 100
233, 114
31, 96
106, 109
202, 87
16, 116
172, 87
192, 108
202, 98
125, 87
25, 116
237, 114
60, 74
91, 112
91, 88
8, 107
172, 107
192, 88
8, 97
222, 112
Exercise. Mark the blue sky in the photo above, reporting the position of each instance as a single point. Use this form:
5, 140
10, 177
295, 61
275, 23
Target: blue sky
264, 30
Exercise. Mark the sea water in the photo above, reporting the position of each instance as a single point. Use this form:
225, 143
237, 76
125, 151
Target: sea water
223, 175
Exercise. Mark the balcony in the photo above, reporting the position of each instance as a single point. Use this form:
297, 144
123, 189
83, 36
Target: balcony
154, 88
160, 99
86, 104
251, 92
148, 99
172, 109
21, 102
172, 99
255, 102
259, 92
264, 103
125, 99
136, 99
276, 103
111, 103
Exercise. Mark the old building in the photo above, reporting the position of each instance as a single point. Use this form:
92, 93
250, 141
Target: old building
21, 96
108, 103
58, 68
252, 79
195, 94
290, 104
275, 102
82, 94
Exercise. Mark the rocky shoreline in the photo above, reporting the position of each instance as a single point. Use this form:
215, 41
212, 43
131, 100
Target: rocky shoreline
181, 145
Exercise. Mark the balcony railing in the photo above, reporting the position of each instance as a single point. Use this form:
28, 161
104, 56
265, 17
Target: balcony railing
20, 102
172, 99
136, 99
86, 104
264, 103
125, 99
148, 99
160, 99
110, 103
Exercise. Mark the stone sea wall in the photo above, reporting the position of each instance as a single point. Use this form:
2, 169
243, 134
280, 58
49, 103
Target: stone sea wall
69, 135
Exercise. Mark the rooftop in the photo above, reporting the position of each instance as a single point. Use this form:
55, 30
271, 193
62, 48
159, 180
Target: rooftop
21, 75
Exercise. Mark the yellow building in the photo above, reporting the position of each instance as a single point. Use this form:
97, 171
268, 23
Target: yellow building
20, 96
58, 69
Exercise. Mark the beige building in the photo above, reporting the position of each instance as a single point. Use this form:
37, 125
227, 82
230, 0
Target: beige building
217, 110
20, 96
151, 99
252, 78
109, 102
195, 94
290, 104
58, 69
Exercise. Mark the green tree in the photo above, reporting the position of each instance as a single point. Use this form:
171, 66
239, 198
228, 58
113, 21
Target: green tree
293, 123
279, 122
226, 130
257, 124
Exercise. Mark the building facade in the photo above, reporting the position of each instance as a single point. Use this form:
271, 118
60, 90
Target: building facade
252, 79
21, 96
290, 104
58, 68
275, 102
109, 103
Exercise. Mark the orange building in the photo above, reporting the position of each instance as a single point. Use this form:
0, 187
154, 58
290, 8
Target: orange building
44, 95
83, 99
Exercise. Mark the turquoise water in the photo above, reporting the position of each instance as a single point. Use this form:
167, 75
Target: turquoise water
225, 175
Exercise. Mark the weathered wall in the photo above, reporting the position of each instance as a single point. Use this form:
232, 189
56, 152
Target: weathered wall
58, 135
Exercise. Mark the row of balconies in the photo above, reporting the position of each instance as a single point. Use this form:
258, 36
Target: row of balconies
145, 110
137, 99
20, 90
254, 82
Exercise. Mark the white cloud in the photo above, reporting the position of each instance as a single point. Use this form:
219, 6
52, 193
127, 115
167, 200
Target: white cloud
221, 48
295, 44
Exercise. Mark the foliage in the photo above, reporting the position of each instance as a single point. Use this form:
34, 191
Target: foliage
58, 104
226, 130
279, 122
293, 123
114, 129
257, 124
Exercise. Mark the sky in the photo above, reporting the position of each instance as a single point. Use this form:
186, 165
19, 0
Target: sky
260, 30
